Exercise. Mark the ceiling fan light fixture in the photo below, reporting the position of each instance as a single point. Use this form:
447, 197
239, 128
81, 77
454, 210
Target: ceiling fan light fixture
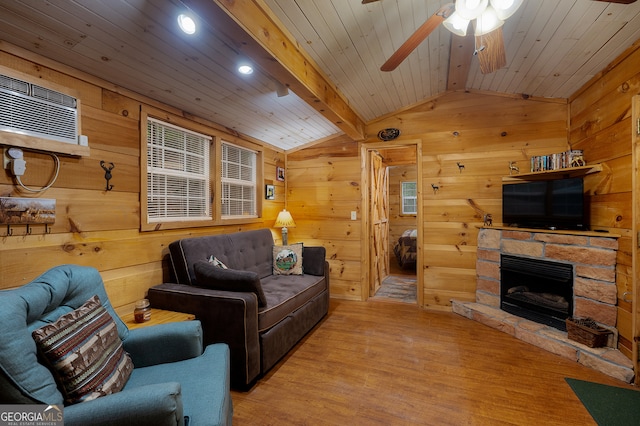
488, 22
505, 8
456, 24
471, 9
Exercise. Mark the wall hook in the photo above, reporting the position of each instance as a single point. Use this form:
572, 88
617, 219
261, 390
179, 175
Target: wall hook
435, 187
107, 173
460, 166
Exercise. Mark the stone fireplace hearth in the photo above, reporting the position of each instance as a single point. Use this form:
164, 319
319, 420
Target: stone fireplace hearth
593, 259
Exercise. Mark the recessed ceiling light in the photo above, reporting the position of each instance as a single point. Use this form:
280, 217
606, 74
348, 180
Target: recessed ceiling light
186, 23
245, 69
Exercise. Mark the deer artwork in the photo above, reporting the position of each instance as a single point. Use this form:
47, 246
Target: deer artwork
577, 161
513, 168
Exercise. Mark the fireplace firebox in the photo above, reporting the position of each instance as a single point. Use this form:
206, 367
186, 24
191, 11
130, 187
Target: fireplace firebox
538, 290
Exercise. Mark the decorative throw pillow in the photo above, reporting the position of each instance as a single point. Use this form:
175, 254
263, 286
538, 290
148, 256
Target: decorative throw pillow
287, 260
217, 262
216, 278
84, 353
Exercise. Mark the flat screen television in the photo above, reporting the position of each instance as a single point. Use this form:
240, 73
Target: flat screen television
545, 204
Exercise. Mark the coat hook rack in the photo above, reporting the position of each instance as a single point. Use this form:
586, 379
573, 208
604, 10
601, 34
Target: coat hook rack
107, 167
460, 166
28, 229
435, 187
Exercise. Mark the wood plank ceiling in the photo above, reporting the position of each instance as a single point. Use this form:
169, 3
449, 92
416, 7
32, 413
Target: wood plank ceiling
553, 47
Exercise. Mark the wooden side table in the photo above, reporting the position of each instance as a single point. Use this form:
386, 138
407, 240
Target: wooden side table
158, 316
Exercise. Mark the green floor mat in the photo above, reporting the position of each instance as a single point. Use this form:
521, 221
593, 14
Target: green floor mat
608, 405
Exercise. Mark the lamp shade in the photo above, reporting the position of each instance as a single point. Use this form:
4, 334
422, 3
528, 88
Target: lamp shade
456, 24
471, 9
488, 22
284, 220
506, 8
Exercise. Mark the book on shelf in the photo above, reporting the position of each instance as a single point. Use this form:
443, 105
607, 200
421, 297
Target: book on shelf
561, 160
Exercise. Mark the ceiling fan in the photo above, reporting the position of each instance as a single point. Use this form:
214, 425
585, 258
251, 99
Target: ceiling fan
488, 17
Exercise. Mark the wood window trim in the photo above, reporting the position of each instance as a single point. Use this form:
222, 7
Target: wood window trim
215, 152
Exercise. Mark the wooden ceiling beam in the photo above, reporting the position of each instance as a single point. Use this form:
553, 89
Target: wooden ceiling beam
257, 33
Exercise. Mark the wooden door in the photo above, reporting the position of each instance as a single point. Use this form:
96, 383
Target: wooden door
379, 214
635, 304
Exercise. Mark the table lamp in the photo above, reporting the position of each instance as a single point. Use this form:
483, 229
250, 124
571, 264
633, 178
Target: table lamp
284, 221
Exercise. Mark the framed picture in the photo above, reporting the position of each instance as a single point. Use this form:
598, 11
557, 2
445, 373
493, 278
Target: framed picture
269, 192
280, 174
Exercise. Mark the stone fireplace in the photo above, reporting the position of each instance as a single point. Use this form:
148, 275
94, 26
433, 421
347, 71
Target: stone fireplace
579, 267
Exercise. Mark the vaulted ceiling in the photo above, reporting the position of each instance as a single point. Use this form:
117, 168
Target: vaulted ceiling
327, 52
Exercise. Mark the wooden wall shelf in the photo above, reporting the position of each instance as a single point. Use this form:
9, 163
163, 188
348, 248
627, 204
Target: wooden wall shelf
555, 174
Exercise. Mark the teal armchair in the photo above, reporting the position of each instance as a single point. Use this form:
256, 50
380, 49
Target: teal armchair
173, 382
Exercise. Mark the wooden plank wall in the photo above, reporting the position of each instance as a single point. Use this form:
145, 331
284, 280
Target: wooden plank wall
600, 124
482, 132
323, 188
101, 228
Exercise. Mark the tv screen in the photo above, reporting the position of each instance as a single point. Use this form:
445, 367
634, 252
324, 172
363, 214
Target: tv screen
550, 204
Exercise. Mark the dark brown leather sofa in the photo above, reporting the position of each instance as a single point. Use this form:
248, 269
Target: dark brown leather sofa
258, 336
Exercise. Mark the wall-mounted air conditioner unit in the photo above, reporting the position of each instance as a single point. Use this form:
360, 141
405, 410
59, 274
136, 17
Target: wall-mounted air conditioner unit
38, 117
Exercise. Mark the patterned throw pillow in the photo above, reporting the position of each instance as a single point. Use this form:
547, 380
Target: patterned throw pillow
217, 262
84, 353
287, 260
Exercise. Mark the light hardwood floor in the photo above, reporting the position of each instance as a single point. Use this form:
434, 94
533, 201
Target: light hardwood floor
377, 363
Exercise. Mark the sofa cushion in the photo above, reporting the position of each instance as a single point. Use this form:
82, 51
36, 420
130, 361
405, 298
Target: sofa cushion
287, 260
84, 353
216, 278
285, 294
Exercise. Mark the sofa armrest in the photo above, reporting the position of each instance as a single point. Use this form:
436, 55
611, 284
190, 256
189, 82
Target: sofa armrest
226, 316
313, 260
164, 343
153, 405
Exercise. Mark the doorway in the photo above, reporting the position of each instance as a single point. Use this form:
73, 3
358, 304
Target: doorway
393, 236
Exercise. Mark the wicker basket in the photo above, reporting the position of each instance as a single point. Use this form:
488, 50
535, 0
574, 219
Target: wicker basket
587, 332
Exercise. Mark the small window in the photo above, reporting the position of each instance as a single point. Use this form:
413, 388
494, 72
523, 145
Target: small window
409, 198
238, 182
177, 173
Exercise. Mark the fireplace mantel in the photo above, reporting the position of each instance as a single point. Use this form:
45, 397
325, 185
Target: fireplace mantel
593, 256
595, 233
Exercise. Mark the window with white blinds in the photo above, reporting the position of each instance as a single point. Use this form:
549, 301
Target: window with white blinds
177, 173
409, 194
238, 182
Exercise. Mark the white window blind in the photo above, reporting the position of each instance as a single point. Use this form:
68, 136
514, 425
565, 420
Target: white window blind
409, 198
238, 182
177, 173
